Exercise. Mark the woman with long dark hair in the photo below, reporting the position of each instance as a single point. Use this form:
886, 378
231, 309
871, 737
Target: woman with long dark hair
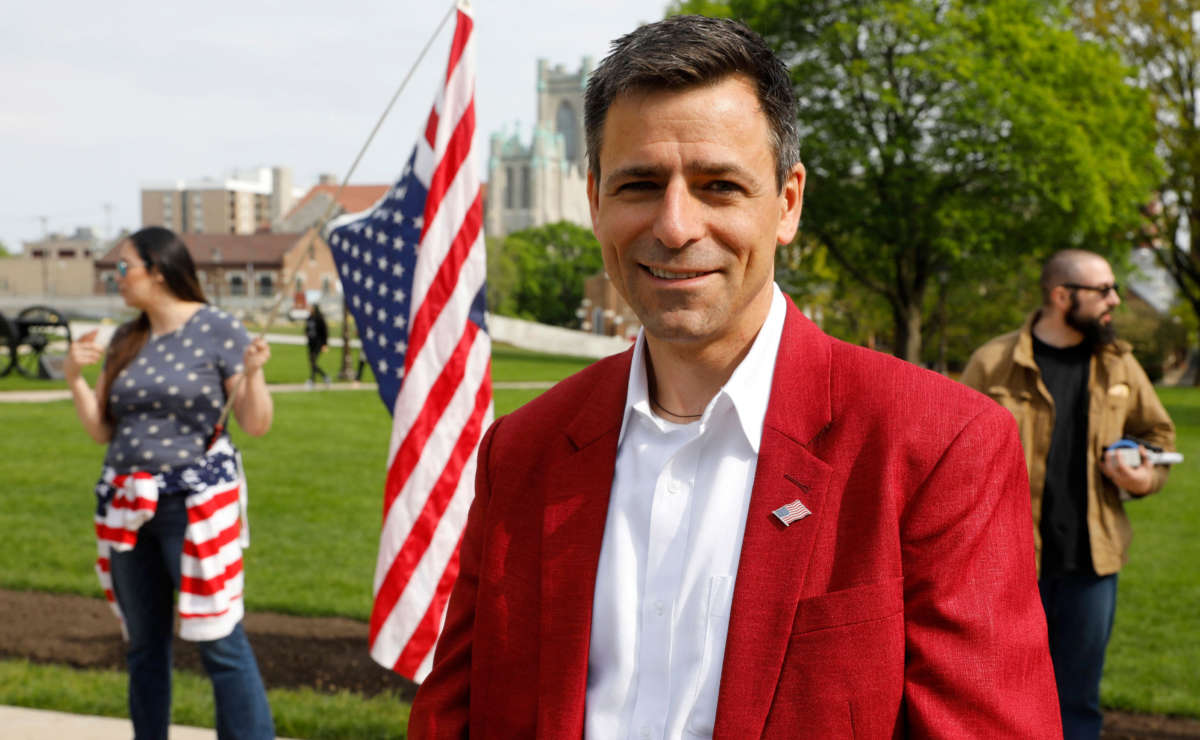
170, 501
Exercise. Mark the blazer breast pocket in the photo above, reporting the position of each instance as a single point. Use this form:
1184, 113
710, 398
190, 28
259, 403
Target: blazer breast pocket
854, 605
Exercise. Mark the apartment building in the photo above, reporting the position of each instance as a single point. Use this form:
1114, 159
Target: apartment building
242, 203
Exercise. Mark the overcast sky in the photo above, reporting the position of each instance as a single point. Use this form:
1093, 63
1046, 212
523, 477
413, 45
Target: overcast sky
96, 98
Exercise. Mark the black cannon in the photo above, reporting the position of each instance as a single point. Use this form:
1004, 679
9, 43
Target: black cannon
35, 343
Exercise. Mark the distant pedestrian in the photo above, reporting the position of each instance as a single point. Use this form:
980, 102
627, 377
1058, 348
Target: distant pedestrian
317, 333
1075, 389
171, 482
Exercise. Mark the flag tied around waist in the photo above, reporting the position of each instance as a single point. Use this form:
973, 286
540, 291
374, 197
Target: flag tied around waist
412, 270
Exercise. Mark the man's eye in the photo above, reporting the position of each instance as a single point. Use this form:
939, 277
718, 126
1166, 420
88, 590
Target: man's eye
636, 185
723, 186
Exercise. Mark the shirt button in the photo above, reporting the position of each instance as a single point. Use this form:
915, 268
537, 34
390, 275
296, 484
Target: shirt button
645, 732
674, 486
659, 609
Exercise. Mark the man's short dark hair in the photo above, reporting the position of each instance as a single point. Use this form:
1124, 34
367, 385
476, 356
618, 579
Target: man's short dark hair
688, 51
1063, 267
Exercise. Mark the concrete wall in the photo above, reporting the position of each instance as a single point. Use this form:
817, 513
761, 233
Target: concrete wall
552, 339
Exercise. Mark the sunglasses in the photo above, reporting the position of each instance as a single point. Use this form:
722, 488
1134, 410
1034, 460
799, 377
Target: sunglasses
123, 267
1103, 290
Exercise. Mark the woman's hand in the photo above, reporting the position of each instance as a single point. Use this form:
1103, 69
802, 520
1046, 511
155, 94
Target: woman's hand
256, 355
82, 352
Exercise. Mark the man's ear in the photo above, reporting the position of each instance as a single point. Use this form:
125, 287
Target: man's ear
593, 194
791, 203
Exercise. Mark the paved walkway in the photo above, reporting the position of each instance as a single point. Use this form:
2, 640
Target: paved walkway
61, 394
19, 723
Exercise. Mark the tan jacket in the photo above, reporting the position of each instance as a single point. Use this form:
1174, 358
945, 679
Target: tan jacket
1122, 402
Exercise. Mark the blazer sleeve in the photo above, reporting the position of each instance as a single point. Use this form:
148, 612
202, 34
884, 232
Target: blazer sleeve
977, 661
441, 708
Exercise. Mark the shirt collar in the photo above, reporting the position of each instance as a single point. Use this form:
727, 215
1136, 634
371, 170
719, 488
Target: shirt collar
747, 391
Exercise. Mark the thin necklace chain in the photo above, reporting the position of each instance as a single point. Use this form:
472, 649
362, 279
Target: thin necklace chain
672, 413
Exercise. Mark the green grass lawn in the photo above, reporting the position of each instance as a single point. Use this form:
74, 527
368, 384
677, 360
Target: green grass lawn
316, 482
1154, 655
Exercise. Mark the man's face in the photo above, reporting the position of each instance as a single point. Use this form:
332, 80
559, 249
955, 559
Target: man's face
688, 213
1090, 311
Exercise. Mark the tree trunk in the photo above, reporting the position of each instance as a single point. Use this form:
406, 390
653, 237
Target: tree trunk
907, 332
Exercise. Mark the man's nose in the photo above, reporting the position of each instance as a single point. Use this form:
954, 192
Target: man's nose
679, 221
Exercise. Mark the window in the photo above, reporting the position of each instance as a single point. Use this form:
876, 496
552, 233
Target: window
237, 285
510, 188
266, 286
526, 188
568, 125
110, 283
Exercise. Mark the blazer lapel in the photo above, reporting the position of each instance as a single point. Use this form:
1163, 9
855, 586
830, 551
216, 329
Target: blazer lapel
575, 496
775, 558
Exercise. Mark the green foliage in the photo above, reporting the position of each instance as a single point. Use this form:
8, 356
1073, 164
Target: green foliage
4, 251
946, 136
538, 273
1159, 38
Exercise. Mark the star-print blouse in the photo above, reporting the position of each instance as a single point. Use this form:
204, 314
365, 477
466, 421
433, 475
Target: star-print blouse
168, 398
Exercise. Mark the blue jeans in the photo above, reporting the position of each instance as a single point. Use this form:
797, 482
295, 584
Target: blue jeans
1079, 617
145, 580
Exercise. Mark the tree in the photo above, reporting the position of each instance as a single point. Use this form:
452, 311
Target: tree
4, 251
945, 137
1161, 38
538, 273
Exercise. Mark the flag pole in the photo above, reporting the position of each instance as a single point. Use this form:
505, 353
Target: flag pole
312, 232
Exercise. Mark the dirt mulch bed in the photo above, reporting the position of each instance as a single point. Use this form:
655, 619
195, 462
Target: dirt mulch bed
327, 654
324, 653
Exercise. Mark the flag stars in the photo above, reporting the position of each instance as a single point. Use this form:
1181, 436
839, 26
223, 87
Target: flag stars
398, 270
370, 234
398, 242
399, 296
401, 347
369, 283
381, 238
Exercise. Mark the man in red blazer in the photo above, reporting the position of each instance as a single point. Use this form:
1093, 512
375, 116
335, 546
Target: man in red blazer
741, 527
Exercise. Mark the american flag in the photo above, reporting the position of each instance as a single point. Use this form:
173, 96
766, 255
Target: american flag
412, 270
793, 512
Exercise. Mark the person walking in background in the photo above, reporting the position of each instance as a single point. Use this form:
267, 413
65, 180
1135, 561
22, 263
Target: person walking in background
1075, 389
740, 527
168, 514
316, 332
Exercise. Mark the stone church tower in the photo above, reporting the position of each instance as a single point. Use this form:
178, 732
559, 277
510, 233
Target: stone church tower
546, 180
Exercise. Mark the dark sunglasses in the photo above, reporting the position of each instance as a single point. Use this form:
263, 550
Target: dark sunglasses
1103, 290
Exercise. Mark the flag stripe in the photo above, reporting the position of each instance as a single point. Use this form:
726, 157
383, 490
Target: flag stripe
445, 282
410, 451
423, 640
410, 500
421, 534
463, 26
457, 150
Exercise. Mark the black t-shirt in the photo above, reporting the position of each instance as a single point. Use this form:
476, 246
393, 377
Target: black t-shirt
1065, 546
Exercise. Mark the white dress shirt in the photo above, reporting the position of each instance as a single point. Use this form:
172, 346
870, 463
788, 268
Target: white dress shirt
670, 552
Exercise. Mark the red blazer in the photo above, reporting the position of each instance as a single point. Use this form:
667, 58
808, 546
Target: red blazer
906, 604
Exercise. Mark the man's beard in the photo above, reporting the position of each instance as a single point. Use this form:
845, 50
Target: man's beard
1095, 334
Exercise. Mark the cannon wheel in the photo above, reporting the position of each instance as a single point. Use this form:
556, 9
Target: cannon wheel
44, 332
8, 341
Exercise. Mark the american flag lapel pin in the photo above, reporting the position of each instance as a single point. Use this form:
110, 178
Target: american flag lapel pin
792, 512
